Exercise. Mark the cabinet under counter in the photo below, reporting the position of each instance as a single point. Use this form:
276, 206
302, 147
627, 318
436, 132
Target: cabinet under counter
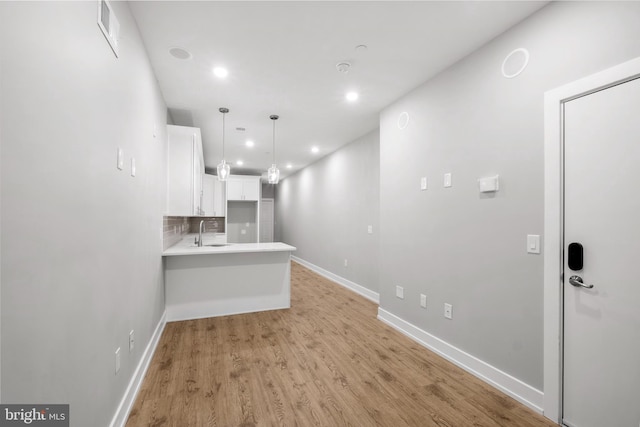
212, 281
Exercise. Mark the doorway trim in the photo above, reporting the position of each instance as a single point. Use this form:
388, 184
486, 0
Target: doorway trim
554, 101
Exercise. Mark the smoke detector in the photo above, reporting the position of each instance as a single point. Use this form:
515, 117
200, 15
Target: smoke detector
343, 67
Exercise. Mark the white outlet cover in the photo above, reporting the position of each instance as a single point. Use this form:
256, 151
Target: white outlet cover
346, 263
400, 292
131, 341
243, 231
133, 166
448, 311
370, 229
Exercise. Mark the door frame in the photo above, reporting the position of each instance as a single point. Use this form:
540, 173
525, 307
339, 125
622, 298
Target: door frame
554, 101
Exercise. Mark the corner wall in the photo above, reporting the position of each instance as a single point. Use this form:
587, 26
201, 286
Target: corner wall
81, 240
324, 210
468, 249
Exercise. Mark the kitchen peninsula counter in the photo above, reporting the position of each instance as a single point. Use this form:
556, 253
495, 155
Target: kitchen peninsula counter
235, 278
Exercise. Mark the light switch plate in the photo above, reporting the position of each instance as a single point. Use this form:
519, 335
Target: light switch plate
533, 243
370, 229
423, 183
400, 292
133, 166
447, 180
423, 301
120, 163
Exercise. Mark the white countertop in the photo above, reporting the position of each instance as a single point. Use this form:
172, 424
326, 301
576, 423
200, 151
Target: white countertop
187, 247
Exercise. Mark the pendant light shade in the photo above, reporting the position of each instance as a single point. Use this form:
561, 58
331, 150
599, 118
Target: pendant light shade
273, 173
223, 168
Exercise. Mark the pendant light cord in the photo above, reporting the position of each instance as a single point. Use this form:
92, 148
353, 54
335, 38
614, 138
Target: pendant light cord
274, 142
223, 114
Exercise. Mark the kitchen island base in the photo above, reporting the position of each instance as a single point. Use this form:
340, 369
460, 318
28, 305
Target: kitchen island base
209, 285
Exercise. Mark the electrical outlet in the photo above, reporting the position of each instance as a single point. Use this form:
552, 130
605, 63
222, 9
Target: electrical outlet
118, 360
346, 263
448, 311
131, 341
370, 229
400, 292
423, 301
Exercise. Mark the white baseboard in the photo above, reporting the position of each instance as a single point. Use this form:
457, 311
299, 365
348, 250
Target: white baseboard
122, 413
504, 382
359, 289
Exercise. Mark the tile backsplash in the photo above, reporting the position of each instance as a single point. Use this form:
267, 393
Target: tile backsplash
211, 224
175, 227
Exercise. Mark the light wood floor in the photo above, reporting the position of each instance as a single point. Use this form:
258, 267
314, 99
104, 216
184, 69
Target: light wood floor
326, 361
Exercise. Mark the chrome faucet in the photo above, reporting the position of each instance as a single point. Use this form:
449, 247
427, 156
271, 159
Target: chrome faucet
200, 234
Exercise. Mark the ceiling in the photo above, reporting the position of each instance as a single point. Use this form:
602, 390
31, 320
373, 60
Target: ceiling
282, 57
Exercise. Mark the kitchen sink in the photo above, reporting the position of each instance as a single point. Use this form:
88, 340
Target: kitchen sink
217, 245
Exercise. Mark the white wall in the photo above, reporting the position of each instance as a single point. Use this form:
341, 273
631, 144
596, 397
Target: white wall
456, 245
81, 240
324, 211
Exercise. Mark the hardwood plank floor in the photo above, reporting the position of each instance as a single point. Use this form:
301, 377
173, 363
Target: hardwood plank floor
326, 361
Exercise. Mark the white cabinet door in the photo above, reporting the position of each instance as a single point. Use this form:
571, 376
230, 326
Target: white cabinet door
219, 198
184, 171
198, 172
208, 195
245, 188
252, 189
235, 188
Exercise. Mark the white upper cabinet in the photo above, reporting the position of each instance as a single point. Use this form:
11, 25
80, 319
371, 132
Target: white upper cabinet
185, 168
245, 188
213, 197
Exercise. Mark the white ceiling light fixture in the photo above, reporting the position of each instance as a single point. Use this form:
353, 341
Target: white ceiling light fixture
273, 174
223, 168
352, 96
220, 72
250, 143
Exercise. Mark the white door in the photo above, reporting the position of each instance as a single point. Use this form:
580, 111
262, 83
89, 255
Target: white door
266, 220
601, 367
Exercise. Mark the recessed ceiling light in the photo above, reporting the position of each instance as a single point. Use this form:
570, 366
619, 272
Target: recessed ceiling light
249, 143
220, 72
352, 96
361, 48
289, 165
314, 150
180, 53
239, 163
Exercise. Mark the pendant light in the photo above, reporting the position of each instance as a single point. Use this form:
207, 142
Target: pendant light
223, 168
273, 174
